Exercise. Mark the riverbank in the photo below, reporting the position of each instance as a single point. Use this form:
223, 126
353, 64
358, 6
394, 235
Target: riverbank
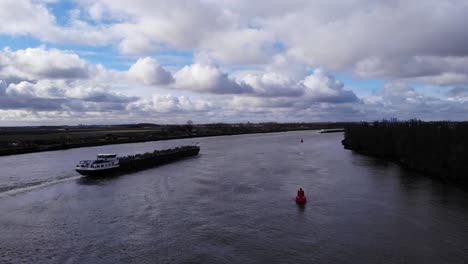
438, 149
21, 140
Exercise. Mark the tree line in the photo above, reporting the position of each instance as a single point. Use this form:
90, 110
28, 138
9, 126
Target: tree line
440, 149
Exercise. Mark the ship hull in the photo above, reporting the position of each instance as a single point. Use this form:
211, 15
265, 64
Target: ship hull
97, 173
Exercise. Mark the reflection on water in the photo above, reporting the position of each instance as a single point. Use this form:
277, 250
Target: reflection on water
96, 180
232, 204
301, 207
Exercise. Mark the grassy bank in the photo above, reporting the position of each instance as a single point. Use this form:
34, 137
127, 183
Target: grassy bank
439, 149
19, 140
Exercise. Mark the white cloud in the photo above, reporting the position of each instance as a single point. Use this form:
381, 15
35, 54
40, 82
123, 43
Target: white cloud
54, 89
207, 78
315, 87
39, 63
322, 87
340, 34
24, 17
252, 59
40, 79
273, 84
400, 100
439, 70
62, 95
135, 43
241, 46
149, 72
170, 104
376, 39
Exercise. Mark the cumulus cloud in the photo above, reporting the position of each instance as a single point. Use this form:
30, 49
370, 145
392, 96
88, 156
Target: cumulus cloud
351, 32
62, 95
400, 100
22, 17
322, 87
284, 109
315, 87
272, 84
396, 99
137, 44
241, 46
258, 57
39, 63
40, 79
375, 38
65, 89
446, 70
30, 17
207, 78
170, 104
149, 72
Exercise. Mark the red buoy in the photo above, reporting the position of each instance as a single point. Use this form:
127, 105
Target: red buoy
300, 198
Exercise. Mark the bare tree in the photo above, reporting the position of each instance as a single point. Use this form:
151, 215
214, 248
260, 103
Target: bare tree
189, 126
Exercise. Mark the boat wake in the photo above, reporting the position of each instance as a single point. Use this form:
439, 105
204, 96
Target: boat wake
29, 186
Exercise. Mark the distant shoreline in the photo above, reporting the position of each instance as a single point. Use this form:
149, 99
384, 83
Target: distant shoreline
72, 146
338, 130
18, 141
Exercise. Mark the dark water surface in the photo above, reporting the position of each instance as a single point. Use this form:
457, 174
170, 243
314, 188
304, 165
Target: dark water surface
232, 204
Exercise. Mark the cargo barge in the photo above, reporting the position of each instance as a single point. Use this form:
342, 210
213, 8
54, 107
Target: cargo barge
337, 130
107, 164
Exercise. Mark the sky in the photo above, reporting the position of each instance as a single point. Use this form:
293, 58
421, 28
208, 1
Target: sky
164, 61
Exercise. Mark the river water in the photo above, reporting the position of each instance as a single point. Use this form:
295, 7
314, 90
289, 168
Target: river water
234, 203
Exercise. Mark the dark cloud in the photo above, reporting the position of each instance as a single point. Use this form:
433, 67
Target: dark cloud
49, 95
343, 96
3, 86
39, 104
427, 69
109, 97
458, 91
399, 41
